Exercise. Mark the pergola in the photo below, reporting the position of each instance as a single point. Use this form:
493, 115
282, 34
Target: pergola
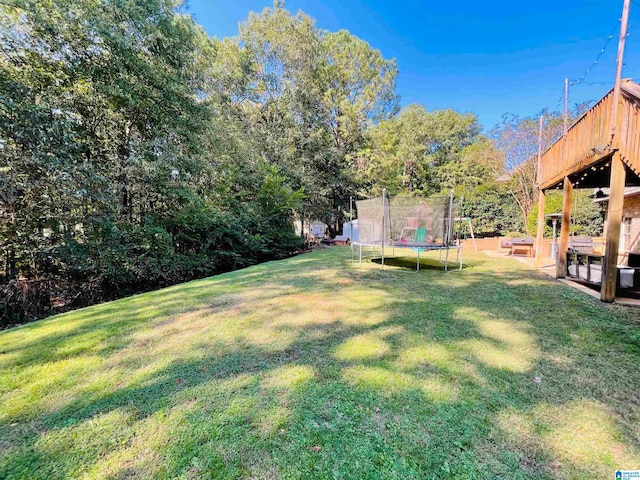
601, 149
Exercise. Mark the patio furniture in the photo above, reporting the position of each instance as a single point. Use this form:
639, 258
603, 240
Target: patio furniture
506, 243
587, 268
581, 244
521, 243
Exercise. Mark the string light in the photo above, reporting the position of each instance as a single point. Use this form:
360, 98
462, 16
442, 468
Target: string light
597, 59
595, 83
581, 79
560, 100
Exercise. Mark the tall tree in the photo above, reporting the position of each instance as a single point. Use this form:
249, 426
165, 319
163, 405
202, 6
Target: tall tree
305, 97
517, 138
413, 151
359, 88
476, 164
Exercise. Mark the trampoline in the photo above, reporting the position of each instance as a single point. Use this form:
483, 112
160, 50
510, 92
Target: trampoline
419, 224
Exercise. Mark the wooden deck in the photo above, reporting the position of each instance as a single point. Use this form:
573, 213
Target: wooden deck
589, 142
601, 149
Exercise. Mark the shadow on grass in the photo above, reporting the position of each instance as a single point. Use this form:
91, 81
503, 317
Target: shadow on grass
410, 264
315, 368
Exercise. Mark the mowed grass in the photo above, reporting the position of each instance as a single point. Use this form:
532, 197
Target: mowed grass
314, 367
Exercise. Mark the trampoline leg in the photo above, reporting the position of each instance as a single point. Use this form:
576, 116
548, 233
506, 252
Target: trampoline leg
446, 259
460, 257
418, 264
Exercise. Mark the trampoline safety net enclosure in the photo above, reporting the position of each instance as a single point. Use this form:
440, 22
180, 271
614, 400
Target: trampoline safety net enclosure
419, 224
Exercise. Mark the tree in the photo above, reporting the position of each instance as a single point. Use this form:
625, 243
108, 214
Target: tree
476, 164
359, 88
491, 210
117, 172
587, 216
417, 151
517, 138
305, 98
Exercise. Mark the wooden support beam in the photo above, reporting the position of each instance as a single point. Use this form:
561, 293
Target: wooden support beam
561, 263
540, 231
612, 235
618, 178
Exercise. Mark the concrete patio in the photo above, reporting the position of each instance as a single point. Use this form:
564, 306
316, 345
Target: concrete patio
548, 267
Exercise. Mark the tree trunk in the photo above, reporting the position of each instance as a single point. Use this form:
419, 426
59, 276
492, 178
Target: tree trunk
123, 187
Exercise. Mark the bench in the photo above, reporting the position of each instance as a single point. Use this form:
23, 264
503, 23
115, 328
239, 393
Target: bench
581, 244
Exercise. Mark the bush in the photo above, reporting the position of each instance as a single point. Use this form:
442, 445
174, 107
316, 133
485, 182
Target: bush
22, 300
492, 211
587, 216
107, 258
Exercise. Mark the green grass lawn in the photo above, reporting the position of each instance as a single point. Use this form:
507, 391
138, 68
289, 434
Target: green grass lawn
316, 368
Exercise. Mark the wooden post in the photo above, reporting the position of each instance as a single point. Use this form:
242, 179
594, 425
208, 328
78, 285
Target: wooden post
618, 178
561, 264
541, 199
561, 259
540, 231
612, 235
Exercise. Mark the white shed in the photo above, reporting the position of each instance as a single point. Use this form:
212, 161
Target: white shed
317, 228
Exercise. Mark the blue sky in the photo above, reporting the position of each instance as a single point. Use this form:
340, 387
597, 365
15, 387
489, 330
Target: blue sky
486, 57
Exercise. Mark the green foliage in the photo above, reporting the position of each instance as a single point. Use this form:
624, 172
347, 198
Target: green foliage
120, 171
519, 140
478, 164
138, 152
492, 210
417, 152
302, 101
587, 216
360, 87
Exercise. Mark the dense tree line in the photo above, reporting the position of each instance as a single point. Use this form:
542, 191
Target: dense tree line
137, 152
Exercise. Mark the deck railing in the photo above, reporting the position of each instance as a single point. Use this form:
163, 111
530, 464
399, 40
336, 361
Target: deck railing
591, 132
588, 132
630, 131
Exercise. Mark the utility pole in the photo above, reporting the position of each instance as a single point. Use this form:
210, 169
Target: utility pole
540, 146
541, 201
561, 260
566, 106
624, 22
